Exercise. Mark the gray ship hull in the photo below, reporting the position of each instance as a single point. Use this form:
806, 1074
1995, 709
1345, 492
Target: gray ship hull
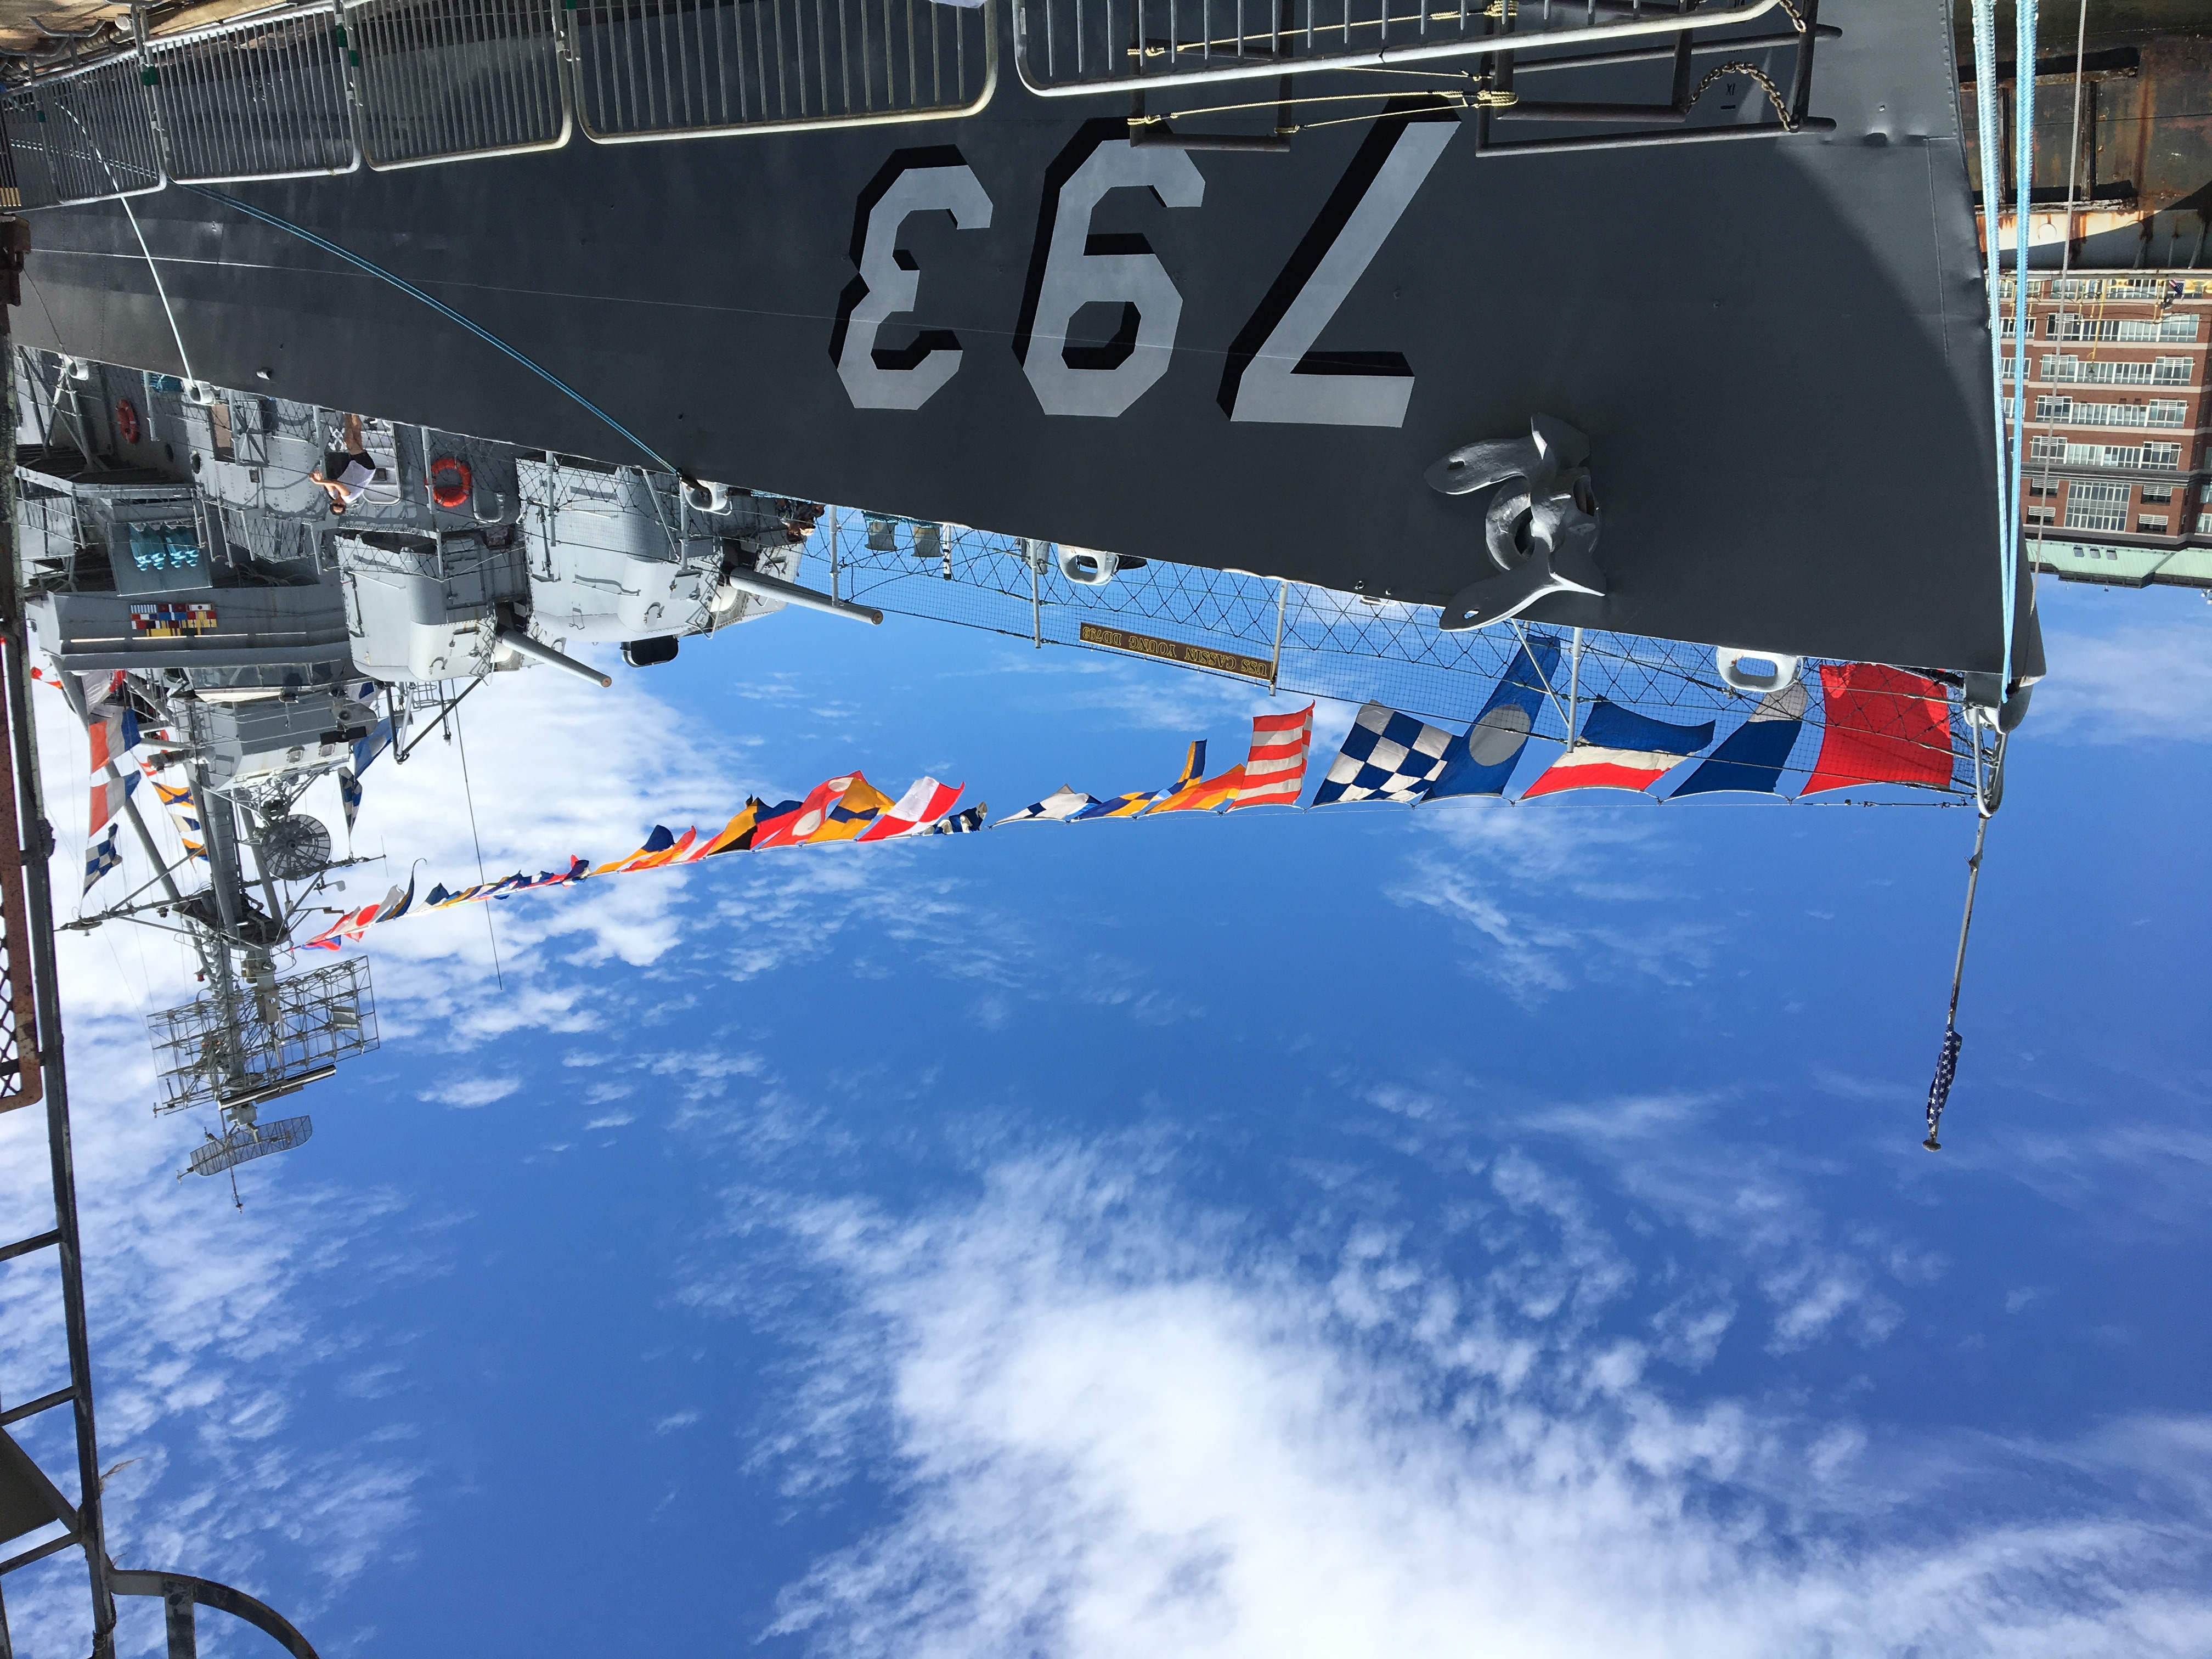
1778, 348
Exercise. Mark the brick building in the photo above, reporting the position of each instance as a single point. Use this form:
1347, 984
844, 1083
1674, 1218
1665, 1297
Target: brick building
2117, 467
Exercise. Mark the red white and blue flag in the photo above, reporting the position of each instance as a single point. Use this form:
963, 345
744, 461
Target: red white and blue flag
1620, 750
107, 799
114, 733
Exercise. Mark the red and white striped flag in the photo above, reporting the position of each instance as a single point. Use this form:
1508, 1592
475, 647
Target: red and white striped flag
1275, 770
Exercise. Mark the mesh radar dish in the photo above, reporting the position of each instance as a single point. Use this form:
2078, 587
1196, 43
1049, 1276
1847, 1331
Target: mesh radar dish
234, 1044
249, 1141
293, 847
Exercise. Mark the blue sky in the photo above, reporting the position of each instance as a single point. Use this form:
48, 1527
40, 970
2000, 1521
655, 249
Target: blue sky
1366, 1230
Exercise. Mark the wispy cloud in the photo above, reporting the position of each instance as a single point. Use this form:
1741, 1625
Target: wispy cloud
2140, 682
211, 1343
1113, 1425
468, 1091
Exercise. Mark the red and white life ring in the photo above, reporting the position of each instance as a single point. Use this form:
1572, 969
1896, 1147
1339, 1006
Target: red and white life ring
126, 421
455, 494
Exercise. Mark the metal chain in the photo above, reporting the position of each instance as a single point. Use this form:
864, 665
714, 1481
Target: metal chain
1791, 12
1773, 93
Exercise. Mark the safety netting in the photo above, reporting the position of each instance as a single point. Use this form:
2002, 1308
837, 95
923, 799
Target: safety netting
1895, 739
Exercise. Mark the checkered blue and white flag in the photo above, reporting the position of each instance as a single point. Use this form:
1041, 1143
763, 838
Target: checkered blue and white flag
102, 856
1387, 756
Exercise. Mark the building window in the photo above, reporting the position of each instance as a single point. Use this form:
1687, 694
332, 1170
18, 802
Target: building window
2156, 328
2158, 493
2150, 524
2110, 415
2097, 506
2064, 326
2072, 411
2046, 449
2159, 457
2166, 371
2204, 523
2043, 515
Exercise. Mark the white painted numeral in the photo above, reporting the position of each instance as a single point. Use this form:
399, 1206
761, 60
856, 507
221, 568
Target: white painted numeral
892, 280
1121, 373
1274, 374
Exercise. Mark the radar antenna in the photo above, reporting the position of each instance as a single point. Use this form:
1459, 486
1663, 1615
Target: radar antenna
293, 846
243, 1139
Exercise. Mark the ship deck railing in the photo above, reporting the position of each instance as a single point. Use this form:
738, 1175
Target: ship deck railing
329, 87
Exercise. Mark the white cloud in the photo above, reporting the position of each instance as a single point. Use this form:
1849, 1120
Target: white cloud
1601, 850
211, 1336
467, 1091
2140, 682
1675, 1154
207, 1327
1498, 890
1499, 874
1112, 1426
1145, 696
624, 760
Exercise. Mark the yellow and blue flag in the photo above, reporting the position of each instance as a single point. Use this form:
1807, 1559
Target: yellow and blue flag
1130, 806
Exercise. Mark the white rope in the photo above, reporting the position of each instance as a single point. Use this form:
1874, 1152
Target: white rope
124, 201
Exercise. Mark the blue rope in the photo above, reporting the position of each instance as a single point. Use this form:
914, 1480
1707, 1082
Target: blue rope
2023, 78
1989, 128
441, 308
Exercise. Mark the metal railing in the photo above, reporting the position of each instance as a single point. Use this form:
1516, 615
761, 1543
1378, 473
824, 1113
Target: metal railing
688, 68
265, 97
443, 79
1067, 48
98, 131
31, 180
325, 88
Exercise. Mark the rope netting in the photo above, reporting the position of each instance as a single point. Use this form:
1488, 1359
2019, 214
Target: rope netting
1332, 644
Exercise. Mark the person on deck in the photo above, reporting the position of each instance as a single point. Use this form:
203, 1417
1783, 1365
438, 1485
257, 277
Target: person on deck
345, 472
